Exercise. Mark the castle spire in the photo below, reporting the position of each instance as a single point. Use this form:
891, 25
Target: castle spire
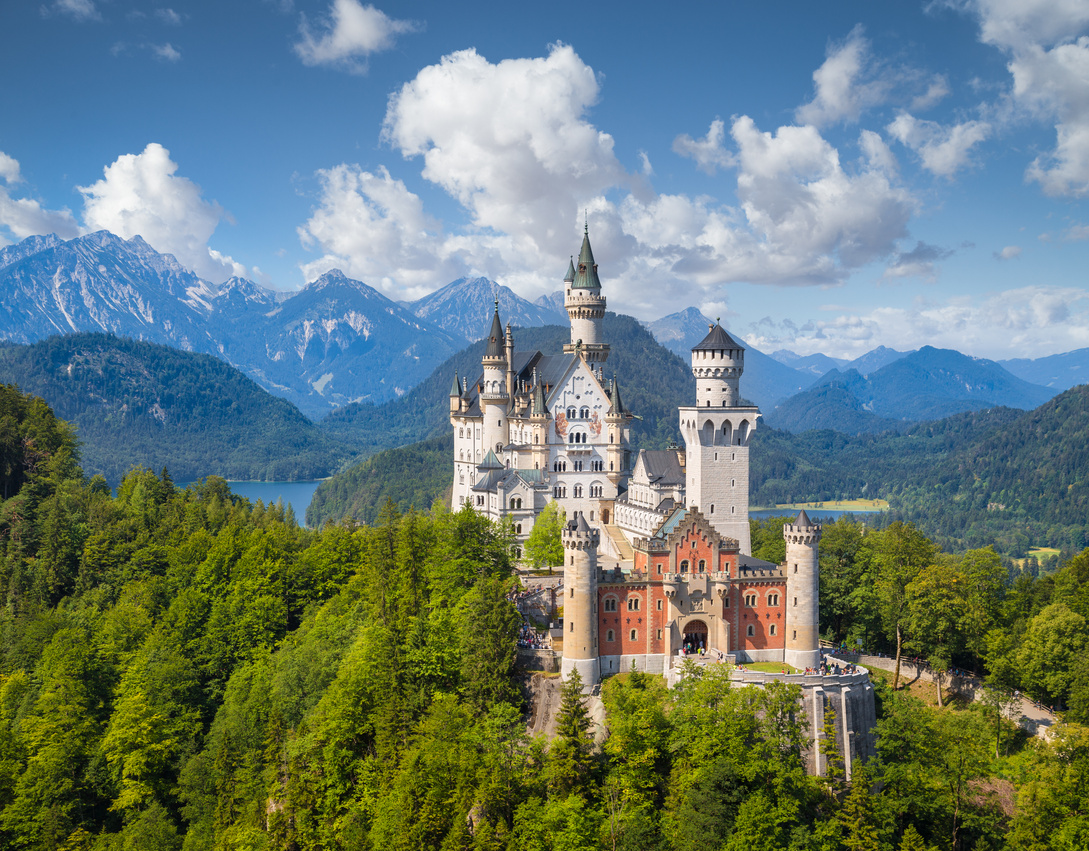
496, 338
586, 276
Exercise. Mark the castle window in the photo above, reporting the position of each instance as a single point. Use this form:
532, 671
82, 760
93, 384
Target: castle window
750, 600
610, 636
479, 500
584, 413
659, 635
795, 635
750, 631
570, 413
703, 565
516, 503
633, 604
576, 466
578, 491
610, 604
518, 529
573, 627
633, 634
712, 508
725, 602
572, 590
771, 630
659, 605
595, 490
684, 566
773, 599
795, 567
795, 601
461, 432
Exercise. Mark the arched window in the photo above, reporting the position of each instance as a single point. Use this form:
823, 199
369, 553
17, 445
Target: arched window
516, 503
751, 631
684, 566
703, 566
584, 413
633, 635
750, 600
610, 636
773, 599
610, 604
578, 491
771, 630
570, 413
633, 604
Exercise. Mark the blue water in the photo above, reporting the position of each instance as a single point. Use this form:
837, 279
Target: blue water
295, 494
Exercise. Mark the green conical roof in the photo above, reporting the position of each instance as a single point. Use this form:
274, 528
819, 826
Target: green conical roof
614, 397
490, 462
455, 388
538, 409
586, 276
496, 342
570, 276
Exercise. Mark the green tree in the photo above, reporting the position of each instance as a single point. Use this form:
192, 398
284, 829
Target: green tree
569, 757
901, 554
544, 547
935, 612
1053, 643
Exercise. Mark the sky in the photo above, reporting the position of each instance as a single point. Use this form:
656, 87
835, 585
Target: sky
822, 176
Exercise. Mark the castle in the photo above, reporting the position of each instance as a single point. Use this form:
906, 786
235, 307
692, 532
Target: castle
656, 552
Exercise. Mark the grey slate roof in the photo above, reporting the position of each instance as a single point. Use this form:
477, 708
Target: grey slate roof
717, 339
490, 462
802, 519
496, 342
662, 466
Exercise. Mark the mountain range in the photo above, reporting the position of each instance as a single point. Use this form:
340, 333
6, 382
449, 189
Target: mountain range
338, 341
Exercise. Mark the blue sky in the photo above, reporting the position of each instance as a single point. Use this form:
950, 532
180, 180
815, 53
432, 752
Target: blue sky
823, 176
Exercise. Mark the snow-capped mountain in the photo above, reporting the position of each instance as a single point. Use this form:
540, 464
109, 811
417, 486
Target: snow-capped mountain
335, 341
100, 282
464, 308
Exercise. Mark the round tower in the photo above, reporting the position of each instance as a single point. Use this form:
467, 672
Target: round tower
494, 399
803, 593
716, 432
580, 649
717, 363
585, 306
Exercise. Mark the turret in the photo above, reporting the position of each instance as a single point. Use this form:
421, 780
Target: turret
617, 421
585, 306
538, 417
716, 431
717, 363
455, 394
803, 592
494, 398
580, 647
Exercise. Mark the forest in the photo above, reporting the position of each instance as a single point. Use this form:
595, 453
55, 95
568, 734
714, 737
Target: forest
182, 669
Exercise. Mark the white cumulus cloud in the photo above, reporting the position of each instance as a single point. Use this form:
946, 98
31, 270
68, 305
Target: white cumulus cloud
350, 34
1048, 59
710, 152
140, 194
942, 150
23, 217
1009, 252
1035, 321
845, 84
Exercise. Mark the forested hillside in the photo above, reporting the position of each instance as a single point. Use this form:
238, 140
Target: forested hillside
143, 404
1002, 477
181, 671
412, 476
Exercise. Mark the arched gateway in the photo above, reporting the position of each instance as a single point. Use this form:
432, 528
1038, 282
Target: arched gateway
695, 637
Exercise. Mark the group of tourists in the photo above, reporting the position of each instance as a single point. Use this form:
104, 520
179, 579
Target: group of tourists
533, 640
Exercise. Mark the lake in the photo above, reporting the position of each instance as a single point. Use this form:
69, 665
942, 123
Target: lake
295, 494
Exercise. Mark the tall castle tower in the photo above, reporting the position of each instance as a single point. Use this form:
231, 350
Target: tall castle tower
580, 647
803, 593
495, 398
585, 305
716, 433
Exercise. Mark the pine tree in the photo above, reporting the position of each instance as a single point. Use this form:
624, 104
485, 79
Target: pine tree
570, 755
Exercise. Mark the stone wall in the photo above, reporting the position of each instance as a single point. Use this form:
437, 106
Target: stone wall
539, 660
